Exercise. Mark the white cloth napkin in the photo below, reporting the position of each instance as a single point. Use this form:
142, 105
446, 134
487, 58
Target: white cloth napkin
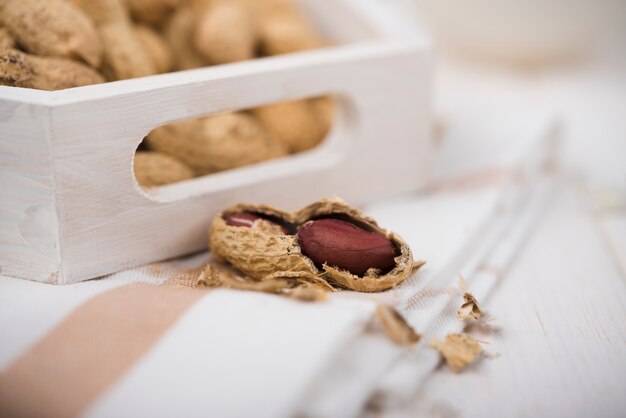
125, 346
491, 183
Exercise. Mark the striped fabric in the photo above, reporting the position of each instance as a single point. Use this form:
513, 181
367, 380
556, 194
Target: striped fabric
145, 342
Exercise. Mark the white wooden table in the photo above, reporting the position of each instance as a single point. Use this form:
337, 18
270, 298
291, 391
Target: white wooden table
562, 313
562, 305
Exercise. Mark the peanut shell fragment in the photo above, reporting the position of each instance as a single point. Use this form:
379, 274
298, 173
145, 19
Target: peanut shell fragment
395, 326
459, 350
470, 308
307, 289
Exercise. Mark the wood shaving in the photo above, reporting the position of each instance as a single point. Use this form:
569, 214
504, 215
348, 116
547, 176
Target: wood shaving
298, 287
395, 326
470, 309
459, 350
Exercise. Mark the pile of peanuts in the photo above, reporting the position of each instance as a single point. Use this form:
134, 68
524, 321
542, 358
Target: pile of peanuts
59, 44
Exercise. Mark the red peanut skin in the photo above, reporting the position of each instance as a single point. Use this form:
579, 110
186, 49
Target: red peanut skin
346, 246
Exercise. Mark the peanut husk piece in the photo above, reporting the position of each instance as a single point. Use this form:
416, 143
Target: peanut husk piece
417, 264
259, 254
459, 350
395, 326
470, 309
297, 287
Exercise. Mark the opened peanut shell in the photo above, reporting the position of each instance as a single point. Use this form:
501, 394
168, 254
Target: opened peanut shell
262, 241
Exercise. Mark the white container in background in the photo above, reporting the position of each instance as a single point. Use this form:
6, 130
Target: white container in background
521, 31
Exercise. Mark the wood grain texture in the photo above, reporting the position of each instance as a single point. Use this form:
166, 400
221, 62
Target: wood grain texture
107, 224
29, 234
561, 312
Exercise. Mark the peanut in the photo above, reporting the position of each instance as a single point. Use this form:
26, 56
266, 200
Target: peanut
18, 69
158, 50
283, 30
6, 39
153, 169
179, 35
216, 143
294, 124
300, 125
325, 108
225, 31
124, 54
344, 245
334, 242
153, 12
53, 28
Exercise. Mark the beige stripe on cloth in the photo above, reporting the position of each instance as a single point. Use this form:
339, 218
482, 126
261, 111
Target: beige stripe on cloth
90, 350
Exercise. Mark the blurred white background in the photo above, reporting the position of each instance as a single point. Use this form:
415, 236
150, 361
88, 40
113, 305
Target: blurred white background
568, 56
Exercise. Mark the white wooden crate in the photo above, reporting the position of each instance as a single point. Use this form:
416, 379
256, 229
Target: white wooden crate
71, 210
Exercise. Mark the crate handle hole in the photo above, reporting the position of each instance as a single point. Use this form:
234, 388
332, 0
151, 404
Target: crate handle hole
214, 152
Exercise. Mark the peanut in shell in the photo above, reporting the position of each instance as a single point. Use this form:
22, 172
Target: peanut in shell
154, 169
52, 28
179, 32
225, 32
295, 124
124, 54
157, 48
263, 252
153, 12
18, 69
216, 143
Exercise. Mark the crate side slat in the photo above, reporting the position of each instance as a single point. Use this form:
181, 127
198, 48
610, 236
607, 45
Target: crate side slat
29, 246
109, 225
